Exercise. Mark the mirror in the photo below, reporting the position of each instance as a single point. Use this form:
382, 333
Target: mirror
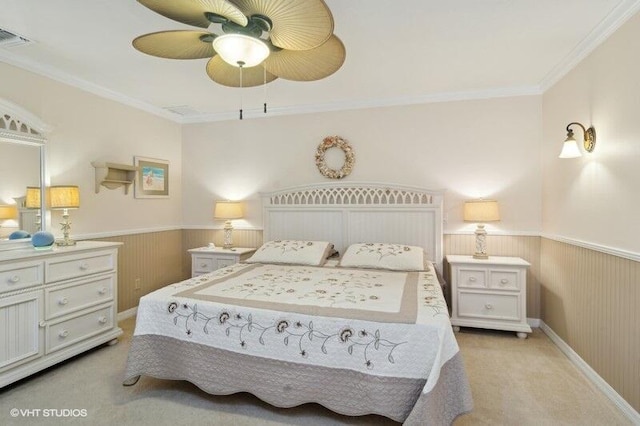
22, 154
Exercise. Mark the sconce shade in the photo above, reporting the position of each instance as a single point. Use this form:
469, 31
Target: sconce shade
8, 212
228, 210
32, 200
241, 50
570, 147
64, 197
481, 211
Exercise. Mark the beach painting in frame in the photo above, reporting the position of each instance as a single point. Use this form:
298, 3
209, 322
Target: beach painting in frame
152, 178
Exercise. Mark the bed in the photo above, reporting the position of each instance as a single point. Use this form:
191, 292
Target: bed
368, 333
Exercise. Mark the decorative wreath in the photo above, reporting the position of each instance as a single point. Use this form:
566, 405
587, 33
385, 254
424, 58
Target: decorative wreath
349, 157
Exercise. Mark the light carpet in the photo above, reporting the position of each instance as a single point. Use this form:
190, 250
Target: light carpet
513, 381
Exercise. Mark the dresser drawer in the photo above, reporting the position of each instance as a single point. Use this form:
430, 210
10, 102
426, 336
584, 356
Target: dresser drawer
504, 280
70, 331
76, 266
471, 278
20, 275
203, 264
494, 306
64, 299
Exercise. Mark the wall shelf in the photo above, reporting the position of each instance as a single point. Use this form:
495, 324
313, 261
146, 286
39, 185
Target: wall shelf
113, 175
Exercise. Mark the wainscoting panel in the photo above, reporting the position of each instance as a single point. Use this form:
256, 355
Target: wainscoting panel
526, 247
592, 301
153, 258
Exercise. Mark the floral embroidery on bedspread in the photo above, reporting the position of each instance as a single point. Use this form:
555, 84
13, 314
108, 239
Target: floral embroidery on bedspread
432, 297
285, 332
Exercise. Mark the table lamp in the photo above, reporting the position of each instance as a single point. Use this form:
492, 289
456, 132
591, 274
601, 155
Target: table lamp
32, 201
64, 197
228, 210
481, 211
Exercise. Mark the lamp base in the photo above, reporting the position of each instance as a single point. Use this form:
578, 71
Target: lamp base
66, 242
480, 256
228, 239
481, 243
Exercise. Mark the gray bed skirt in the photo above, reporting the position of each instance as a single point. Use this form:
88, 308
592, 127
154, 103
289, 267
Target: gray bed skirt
285, 384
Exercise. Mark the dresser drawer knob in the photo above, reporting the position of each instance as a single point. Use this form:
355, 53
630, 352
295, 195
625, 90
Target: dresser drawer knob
102, 290
14, 279
84, 266
42, 324
63, 301
63, 333
472, 279
102, 319
504, 281
488, 306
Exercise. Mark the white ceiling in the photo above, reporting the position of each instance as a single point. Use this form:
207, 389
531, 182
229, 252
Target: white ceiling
398, 52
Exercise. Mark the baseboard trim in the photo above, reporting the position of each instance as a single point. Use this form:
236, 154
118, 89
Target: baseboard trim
533, 322
127, 314
591, 374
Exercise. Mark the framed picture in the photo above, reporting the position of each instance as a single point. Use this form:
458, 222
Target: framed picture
152, 178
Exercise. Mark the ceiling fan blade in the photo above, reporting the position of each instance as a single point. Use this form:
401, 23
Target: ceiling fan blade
228, 75
176, 44
307, 65
297, 25
192, 12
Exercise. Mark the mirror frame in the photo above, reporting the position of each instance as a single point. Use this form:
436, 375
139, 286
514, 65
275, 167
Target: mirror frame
22, 127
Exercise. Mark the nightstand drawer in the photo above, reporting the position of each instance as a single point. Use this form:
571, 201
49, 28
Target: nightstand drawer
471, 278
494, 306
226, 262
67, 332
62, 300
203, 264
504, 280
19, 276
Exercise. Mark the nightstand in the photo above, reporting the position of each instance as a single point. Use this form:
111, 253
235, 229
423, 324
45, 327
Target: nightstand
489, 293
205, 259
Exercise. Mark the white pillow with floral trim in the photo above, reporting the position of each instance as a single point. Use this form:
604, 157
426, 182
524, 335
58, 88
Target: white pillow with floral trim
295, 252
396, 257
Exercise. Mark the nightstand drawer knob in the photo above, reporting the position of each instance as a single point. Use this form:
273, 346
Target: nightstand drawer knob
63, 301
14, 279
63, 333
102, 290
472, 279
84, 266
102, 319
203, 265
504, 281
488, 306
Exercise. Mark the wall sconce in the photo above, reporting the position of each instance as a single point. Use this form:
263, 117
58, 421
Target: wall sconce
227, 210
570, 147
481, 211
64, 197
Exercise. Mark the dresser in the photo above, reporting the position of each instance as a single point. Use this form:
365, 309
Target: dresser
55, 304
489, 293
208, 259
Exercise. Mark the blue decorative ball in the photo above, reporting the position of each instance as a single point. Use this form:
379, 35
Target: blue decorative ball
42, 239
18, 235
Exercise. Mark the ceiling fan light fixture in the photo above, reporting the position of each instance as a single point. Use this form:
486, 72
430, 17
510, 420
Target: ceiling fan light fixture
241, 50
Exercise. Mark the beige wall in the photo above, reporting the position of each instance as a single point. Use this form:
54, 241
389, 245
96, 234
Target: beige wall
89, 128
588, 298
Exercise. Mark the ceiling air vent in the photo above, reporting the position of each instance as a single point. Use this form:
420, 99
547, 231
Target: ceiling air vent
9, 39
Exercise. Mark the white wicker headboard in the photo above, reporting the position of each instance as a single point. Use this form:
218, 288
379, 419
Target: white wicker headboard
345, 213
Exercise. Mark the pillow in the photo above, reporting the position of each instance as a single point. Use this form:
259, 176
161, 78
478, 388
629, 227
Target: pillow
396, 257
312, 253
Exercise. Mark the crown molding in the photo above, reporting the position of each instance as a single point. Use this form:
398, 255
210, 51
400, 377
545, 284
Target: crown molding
610, 24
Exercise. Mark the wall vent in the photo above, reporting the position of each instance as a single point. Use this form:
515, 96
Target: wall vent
183, 110
9, 39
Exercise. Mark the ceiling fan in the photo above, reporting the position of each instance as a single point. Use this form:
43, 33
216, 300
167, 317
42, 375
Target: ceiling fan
256, 41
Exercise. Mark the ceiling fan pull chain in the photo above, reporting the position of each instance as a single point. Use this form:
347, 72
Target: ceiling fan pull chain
265, 88
240, 66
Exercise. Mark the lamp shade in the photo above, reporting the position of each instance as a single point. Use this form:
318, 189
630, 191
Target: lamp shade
570, 149
228, 210
481, 211
8, 212
64, 197
241, 50
32, 200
